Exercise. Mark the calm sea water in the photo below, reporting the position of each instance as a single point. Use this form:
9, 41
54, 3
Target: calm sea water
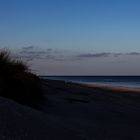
127, 81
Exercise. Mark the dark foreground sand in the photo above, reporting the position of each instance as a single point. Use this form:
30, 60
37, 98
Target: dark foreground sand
74, 112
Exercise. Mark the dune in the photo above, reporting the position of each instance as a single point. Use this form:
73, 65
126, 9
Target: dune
73, 112
18, 122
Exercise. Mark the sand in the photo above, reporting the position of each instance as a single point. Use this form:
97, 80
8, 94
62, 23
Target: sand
74, 112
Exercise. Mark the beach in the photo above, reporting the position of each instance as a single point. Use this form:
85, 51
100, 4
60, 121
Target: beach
69, 70
73, 111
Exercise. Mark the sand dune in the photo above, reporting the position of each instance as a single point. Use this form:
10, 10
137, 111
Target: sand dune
18, 122
73, 112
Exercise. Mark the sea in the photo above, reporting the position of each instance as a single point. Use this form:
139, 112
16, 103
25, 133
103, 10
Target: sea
124, 81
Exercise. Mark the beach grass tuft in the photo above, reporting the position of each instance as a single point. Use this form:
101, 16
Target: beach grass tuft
17, 82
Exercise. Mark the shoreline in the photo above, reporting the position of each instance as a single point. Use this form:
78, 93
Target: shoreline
120, 80
100, 86
114, 88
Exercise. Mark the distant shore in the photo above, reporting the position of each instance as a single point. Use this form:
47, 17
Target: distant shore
100, 86
117, 81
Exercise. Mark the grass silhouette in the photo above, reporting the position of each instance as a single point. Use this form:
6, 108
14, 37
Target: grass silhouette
17, 82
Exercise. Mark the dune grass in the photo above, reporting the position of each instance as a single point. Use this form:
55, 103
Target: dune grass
17, 82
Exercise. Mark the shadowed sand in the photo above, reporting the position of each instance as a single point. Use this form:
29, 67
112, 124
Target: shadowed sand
74, 112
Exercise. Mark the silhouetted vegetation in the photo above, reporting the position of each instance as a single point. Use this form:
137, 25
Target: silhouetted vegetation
17, 82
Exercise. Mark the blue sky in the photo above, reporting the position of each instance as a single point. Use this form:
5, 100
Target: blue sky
67, 29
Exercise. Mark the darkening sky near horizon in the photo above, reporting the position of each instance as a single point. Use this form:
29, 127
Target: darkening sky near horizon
90, 37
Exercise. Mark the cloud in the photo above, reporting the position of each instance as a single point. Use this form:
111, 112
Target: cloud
94, 55
49, 49
28, 48
133, 53
31, 53
106, 54
31, 50
117, 54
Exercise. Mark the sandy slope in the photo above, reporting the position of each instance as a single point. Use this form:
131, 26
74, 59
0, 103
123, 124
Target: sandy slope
95, 112
73, 112
19, 122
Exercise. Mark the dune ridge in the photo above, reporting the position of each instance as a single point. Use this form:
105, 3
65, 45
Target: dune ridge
73, 112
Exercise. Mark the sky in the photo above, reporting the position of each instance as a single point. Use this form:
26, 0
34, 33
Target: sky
73, 37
